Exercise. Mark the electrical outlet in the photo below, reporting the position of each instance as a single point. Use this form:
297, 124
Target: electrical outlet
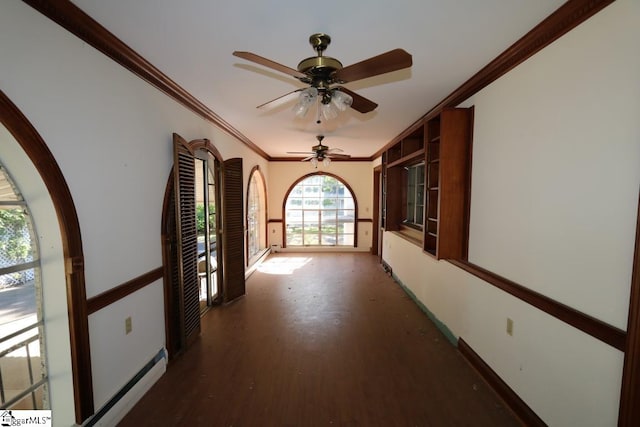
509, 326
127, 325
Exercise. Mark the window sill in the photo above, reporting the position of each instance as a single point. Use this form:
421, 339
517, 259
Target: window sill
410, 234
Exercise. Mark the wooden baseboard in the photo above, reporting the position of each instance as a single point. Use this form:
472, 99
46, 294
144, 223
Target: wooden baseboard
511, 399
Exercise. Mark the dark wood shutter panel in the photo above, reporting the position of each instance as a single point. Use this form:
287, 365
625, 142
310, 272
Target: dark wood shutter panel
175, 343
233, 230
187, 238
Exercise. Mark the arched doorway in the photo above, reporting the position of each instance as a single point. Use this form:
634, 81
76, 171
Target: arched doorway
202, 229
256, 216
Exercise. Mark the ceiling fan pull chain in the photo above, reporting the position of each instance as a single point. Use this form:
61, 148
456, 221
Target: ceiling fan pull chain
318, 120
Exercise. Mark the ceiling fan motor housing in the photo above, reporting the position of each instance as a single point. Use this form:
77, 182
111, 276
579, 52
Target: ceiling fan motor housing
319, 69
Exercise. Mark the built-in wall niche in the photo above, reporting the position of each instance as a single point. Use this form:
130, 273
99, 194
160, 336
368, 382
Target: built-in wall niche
407, 151
447, 163
407, 148
443, 143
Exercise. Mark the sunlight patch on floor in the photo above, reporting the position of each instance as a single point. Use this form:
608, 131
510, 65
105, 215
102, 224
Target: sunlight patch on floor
283, 265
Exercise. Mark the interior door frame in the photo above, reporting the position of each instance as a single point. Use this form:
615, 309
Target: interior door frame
174, 344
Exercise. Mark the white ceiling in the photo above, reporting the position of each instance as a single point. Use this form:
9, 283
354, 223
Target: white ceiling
192, 42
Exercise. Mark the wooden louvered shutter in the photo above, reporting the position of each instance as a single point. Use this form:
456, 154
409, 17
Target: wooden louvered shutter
232, 230
174, 325
187, 239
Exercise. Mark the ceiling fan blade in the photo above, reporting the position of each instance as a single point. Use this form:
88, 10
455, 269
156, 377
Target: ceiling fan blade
334, 150
394, 60
278, 98
269, 64
360, 103
308, 158
300, 152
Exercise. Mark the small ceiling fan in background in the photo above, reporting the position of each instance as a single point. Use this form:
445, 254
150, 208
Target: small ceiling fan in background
321, 153
325, 75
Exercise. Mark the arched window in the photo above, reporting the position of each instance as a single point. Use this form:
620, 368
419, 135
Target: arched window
35, 172
24, 382
320, 210
256, 215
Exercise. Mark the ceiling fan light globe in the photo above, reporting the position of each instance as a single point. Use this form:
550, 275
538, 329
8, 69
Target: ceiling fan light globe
341, 100
326, 161
314, 162
329, 111
305, 99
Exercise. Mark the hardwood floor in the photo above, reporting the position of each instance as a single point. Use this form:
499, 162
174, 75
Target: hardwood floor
320, 340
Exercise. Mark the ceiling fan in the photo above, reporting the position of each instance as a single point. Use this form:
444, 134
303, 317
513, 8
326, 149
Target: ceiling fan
321, 153
325, 75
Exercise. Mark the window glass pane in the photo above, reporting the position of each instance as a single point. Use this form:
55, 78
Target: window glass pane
253, 220
294, 202
346, 215
415, 195
23, 362
311, 239
328, 209
329, 240
330, 203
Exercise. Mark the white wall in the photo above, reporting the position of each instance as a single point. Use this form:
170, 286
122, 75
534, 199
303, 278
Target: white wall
555, 180
358, 175
110, 133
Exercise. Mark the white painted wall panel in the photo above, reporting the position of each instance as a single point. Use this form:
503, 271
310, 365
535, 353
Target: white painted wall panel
556, 167
556, 176
110, 133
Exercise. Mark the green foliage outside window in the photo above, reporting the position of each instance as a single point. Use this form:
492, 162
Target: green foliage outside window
200, 218
15, 243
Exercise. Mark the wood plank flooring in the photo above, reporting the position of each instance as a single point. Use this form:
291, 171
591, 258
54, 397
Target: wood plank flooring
320, 340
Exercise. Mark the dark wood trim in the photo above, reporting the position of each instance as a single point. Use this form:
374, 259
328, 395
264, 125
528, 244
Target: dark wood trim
168, 259
365, 220
511, 399
375, 209
112, 295
629, 409
275, 221
74, 20
233, 280
298, 159
564, 19
415, 157
206, 144
596, 328
286, 196
408, 131
467, 197
44, 161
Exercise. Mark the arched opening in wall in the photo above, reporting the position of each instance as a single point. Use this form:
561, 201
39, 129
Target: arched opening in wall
256, 216
64, 317
24, 382
320, 210
202, 238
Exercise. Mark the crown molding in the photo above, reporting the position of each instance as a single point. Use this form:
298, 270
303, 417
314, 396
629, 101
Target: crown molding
74, 20
564, 19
